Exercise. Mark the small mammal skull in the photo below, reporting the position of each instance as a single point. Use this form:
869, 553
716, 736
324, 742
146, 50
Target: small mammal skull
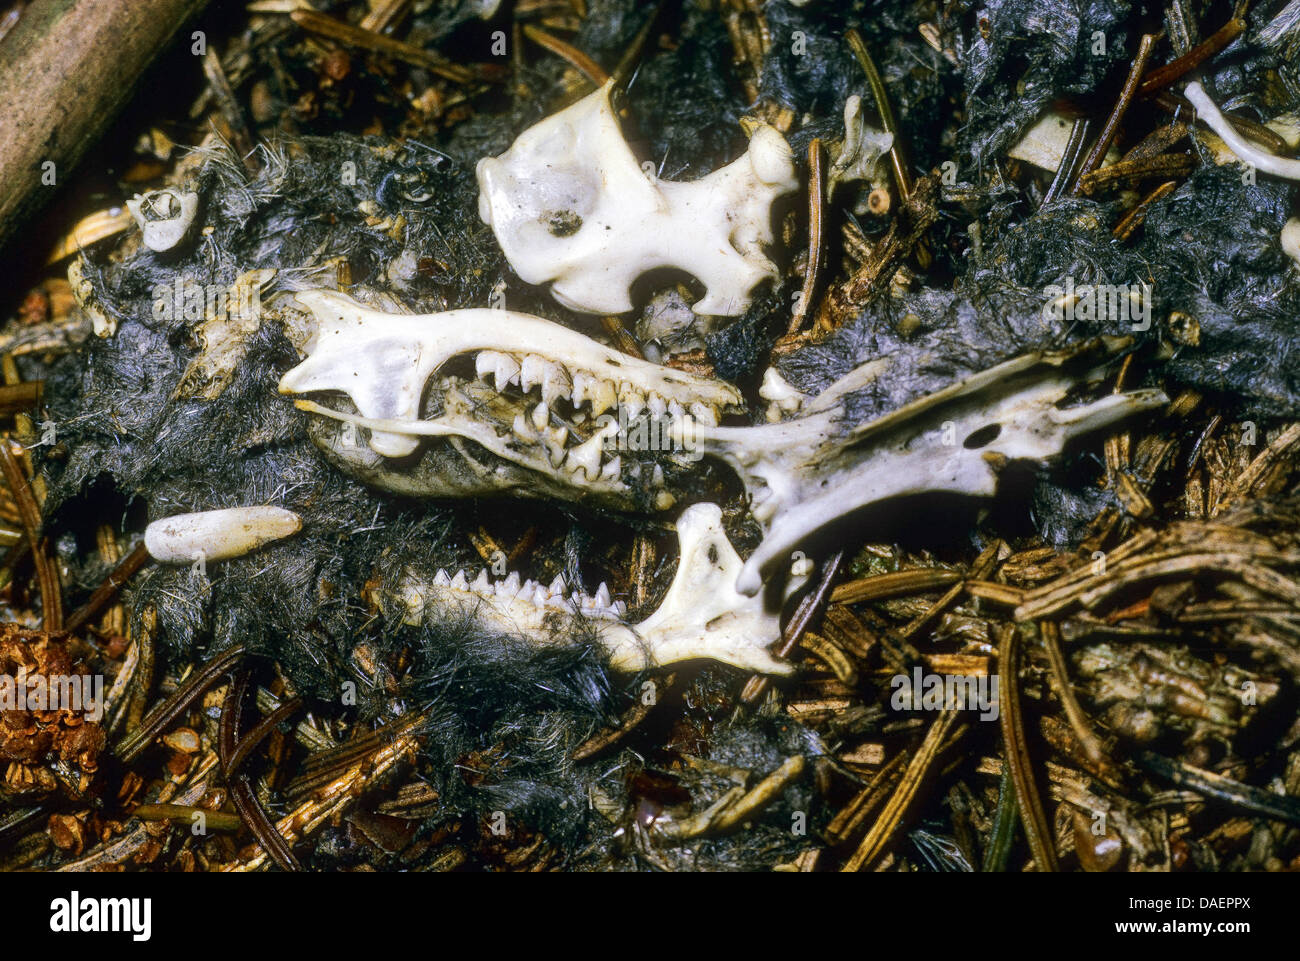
542, 429
570, 205
164, 216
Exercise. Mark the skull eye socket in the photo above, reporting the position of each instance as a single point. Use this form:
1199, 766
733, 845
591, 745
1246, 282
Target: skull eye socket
982, 437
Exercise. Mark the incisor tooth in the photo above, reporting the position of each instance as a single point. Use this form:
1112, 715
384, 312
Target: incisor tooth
656, 404
613, 470
602, 595
657, 478
541, 416
521, 426
676, 410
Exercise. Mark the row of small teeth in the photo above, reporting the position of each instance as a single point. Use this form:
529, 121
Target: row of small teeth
580, 387
551, 598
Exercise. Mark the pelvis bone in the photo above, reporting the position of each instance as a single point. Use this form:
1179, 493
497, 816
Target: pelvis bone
801, 474
701, 616
570, 205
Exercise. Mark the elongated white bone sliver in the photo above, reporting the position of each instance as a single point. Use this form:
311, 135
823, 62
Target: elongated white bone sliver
217, 535
1269, 163
571, 207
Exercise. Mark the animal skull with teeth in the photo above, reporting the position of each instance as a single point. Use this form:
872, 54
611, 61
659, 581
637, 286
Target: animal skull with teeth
801, 474
701, 616
532, 397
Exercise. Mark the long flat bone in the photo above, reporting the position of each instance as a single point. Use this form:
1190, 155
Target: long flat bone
806, 473
701, 616
383, 361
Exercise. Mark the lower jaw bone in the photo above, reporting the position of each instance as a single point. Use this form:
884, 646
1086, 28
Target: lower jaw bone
701, 617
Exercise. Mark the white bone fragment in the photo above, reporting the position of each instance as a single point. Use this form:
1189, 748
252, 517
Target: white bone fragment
570, 205
217, 535
1290, 239
164, 216
701, 616
864, 146
781, 397
83, 292
806, 473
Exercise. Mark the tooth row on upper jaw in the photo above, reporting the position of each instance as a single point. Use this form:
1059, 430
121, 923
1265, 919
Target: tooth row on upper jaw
555, 382
552, 598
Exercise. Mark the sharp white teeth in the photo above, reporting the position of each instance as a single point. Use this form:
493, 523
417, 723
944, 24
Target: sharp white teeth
522, 428
582, 385
507, 371
555, 383
603, 397
485, 363
539, 596
613, 470
657, 405
704, 414
657, 478
554, 442
509, 588
602, 596
459, 582
559, 603
587, 456
676, 410
481, 583
532, 372
557, 585
541, 417
620, 608
441, 579
632, 402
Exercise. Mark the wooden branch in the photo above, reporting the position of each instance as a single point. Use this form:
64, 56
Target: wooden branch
66, 70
